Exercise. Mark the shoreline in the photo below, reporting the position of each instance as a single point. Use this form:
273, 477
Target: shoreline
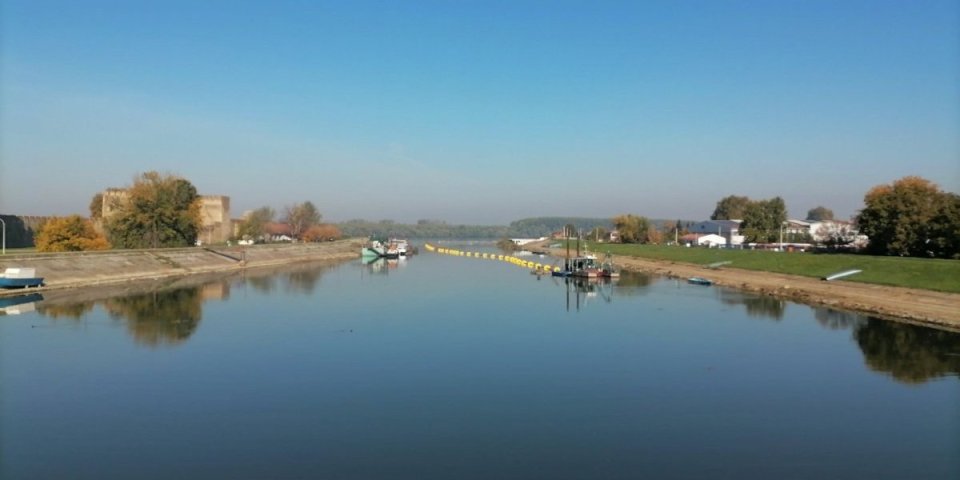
78, 270
924, 307
73, 270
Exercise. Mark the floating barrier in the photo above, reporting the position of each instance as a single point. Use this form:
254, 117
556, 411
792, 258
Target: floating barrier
537, 267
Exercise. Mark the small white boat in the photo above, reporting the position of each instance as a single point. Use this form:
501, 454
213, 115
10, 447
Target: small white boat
20, 278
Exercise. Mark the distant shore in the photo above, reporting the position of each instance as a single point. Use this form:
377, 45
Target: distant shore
90, 269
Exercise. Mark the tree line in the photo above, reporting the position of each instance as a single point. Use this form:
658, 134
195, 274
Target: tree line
910, 217
162, 211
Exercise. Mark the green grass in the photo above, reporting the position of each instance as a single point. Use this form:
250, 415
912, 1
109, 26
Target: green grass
927, 274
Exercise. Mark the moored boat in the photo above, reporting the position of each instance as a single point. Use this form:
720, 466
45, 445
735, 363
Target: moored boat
699, 281
20, 278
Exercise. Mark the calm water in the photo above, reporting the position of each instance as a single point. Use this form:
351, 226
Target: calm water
447, 367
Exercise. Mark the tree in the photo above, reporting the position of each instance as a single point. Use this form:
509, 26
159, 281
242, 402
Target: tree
730, 208
252, 226
96, 206
301, 217
632, 228
820, 214
69, 234
763, 220
911, 217
321, 233
598, 234
159, 211
836, 234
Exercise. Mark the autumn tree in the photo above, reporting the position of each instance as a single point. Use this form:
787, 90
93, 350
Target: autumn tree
730, 208
763, 219
322, 232
819, 214
911, 217
301, 217
69, 234
632, 228
252, 226
159, 211
96, 206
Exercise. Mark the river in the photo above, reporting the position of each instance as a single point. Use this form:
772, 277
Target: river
452, 367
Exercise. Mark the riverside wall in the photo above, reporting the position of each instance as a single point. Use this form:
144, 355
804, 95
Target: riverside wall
83, 269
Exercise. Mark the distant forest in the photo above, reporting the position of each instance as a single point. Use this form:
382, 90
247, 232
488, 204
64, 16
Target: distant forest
524, 228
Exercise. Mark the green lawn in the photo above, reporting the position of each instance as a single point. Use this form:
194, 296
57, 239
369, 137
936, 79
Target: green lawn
928, 274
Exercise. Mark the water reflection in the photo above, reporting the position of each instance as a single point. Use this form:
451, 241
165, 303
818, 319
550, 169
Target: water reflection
381, 266
909, 353
837, 319
756, 305
70, 311
169, 312
632, 284
19, 304
159, 318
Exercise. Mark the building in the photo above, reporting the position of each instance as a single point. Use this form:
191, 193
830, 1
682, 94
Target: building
710, 240
728, 229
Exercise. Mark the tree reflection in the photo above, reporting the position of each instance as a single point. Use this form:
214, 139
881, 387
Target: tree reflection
304, 281
632, 284
263, 284
756, 305
158, 318
909, 353
72, 311
836, 319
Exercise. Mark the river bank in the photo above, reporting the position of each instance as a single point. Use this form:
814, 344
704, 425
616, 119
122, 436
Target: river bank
87, 269
924, 307
920, 306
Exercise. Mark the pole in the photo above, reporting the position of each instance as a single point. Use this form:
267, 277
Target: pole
781, 236
4, 236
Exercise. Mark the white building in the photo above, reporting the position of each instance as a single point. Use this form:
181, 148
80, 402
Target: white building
728, 229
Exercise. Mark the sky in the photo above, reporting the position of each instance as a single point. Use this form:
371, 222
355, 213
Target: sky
479, 112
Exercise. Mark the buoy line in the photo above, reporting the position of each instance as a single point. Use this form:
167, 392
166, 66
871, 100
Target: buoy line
493, 256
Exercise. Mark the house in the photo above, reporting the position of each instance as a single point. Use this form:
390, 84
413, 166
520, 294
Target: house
728, 229
277, 232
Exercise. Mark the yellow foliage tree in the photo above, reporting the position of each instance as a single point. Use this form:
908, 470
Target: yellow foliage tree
322, 232
69, 234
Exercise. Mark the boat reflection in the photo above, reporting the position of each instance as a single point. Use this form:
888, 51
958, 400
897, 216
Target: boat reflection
381, 266
19, 304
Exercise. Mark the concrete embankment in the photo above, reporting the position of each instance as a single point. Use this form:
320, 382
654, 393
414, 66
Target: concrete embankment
82, 269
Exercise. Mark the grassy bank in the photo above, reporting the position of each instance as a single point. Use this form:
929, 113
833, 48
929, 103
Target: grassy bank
928, 274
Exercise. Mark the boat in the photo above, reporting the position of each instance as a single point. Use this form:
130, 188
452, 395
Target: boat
20, 278
585, 266
374, 250
607, 270
699, 281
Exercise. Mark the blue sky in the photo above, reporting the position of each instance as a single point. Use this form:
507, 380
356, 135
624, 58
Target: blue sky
479, 112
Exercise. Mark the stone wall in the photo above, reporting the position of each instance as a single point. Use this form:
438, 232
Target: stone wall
21, 229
